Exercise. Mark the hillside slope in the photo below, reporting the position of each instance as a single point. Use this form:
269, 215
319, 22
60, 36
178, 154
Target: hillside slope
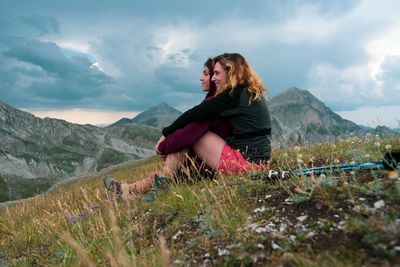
34, 148
333, 220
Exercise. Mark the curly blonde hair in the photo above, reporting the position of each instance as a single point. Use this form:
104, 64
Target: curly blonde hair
240, 73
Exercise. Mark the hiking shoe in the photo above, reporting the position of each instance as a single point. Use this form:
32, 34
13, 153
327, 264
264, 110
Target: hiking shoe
112, 185
160, 183
151, 195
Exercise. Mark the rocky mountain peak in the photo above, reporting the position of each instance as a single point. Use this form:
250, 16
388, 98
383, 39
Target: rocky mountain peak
295, 95
163, 107
298, 116
158, 116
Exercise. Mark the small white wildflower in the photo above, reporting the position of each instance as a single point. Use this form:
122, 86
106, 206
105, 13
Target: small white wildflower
302, 218
309, 235
259, 210
336, 161
388, 146
260, 246
252, 226
285, 155
377, 144
268, 196
223, 252
379, 204
275, 245
297, 148
299, 161
260, 230
176, 236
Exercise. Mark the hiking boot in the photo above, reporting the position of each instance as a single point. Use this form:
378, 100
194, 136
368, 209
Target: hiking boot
112, 185
151, 195
160, 183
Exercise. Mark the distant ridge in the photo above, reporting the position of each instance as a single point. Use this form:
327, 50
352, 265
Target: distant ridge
122, 121
52, 149
297, 115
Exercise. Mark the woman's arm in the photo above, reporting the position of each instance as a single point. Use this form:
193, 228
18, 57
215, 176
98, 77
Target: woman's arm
183, 138
191, 133
206, 110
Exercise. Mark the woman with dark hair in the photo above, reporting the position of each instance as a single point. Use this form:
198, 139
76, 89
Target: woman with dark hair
175, 148
187, 136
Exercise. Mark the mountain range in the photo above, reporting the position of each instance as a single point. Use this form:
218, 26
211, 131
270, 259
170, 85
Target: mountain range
49, 150
299, 117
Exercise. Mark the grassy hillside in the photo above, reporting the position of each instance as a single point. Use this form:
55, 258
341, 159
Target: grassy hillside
14, 187
335, 220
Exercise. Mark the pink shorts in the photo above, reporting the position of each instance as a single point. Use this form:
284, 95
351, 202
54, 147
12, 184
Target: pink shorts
232, 161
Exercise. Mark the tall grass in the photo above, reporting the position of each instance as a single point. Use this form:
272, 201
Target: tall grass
81, 224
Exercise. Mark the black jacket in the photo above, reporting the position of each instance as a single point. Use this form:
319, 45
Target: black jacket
251, 123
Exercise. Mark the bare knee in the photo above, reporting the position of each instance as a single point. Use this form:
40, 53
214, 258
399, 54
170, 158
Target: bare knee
209, 148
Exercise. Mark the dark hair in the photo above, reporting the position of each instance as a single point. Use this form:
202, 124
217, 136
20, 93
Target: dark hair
213, 88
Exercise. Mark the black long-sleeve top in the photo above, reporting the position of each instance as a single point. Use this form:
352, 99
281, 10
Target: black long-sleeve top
250, 122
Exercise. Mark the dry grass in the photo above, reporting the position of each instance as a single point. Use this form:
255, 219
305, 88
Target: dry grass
230, 221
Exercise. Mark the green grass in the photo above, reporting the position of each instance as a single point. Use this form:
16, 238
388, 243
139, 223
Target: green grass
3, 190
231, 221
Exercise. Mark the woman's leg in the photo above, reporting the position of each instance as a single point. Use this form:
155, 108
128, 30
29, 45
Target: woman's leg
209, 148
171, 165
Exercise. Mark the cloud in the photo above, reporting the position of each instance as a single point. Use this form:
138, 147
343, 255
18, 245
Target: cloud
158, 63
352, 87
389, 76
49, 76
138, 55
373, 116
341, 89
44, 24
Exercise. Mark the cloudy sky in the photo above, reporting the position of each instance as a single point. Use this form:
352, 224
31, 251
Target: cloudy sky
96, 61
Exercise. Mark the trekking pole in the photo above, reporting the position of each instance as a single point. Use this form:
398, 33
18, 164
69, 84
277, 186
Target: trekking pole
390, 162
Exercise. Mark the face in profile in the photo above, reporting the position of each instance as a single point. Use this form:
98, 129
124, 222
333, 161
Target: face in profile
205, 79
220, 75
